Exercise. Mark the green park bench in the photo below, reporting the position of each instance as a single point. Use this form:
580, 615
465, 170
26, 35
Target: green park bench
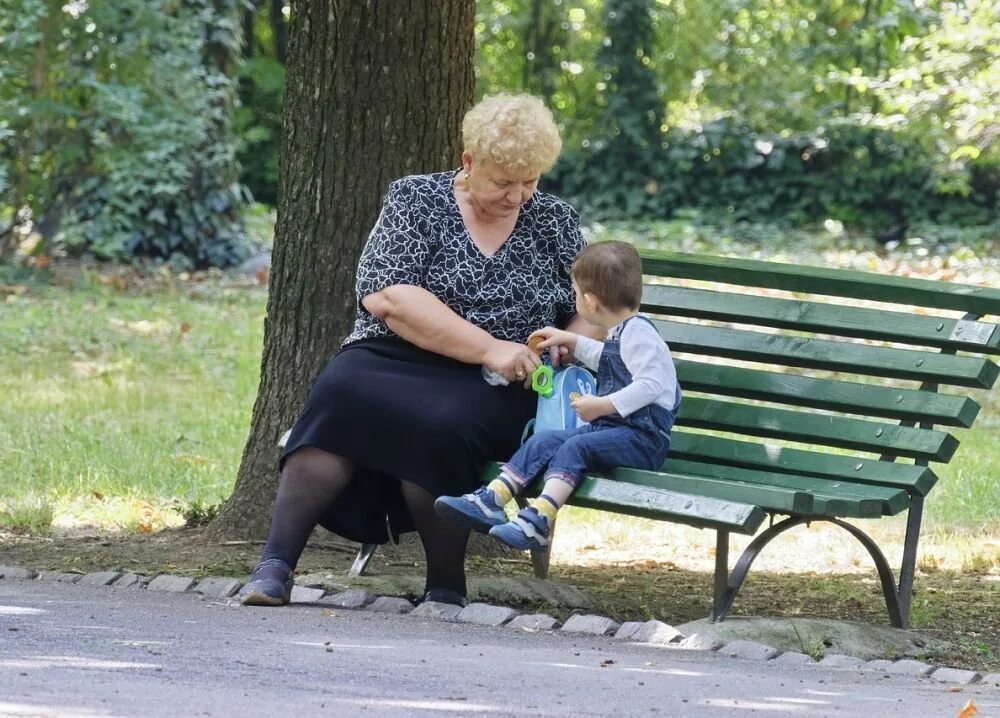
852, 437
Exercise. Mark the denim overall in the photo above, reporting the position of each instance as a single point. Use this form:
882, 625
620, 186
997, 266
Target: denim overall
639, 441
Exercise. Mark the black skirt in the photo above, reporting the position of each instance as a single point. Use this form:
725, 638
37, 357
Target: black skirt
405, 414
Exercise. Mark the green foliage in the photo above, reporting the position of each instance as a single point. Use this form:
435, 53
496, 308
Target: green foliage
846, 172
117, 127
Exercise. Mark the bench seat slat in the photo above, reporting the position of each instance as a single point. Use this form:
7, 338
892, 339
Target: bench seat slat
732, 452
846, 357
831, 497
858, 322
770, 498
651, 502
643, 497
907, 291
833, 394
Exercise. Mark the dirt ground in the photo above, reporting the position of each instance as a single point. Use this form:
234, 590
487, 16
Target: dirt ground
958, 607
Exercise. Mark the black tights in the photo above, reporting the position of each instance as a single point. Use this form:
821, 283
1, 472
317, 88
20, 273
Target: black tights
312, 480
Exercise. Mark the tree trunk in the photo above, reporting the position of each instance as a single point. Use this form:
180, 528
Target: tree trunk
375, 91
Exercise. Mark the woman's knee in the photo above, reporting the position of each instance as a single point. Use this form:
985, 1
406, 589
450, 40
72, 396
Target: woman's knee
310, 465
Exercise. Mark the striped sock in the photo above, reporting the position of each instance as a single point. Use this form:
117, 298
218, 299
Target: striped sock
504, 487
546, 506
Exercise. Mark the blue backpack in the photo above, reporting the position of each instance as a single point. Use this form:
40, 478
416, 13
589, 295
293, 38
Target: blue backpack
554, 386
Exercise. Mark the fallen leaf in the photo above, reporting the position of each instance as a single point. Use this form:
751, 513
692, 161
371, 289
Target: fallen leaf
185, 327
262, 275
968, 710
953, 689
329, 612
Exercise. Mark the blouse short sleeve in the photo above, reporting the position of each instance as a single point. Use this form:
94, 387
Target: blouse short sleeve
398, 247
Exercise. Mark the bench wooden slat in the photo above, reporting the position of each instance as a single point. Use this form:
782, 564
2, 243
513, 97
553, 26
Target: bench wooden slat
732, 452
982, 301
825, 429
846, 357
831, 497
769, 498
859, 322
655, 503
833, 394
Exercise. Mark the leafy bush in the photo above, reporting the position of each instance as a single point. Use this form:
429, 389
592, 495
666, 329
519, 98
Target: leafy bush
118, 121
847, 172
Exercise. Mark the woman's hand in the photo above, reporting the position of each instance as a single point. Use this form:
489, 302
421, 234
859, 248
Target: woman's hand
589, 407
559, 342
512, 360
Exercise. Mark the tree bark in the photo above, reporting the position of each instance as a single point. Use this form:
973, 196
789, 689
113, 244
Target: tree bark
375, 91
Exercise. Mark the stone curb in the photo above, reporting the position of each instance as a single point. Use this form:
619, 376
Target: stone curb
652, 632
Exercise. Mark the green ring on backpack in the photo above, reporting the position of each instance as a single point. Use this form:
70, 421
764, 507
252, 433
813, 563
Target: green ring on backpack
541, 380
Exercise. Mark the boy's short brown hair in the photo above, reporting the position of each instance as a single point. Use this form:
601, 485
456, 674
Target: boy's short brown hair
612, 272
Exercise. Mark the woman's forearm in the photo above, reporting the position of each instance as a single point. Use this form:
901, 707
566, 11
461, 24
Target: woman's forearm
422, 319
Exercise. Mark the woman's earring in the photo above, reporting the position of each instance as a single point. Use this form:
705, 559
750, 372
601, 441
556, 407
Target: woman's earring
466, 175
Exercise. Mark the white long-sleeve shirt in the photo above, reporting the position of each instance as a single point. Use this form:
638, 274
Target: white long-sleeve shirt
648, 360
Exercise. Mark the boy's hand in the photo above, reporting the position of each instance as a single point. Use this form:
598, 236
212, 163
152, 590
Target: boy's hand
589, 407
559, 342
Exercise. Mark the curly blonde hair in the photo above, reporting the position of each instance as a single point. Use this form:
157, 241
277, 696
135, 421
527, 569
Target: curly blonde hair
516, 132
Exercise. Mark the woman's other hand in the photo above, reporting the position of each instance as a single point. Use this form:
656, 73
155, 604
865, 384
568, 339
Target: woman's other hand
589, 407
559, 342
512, 360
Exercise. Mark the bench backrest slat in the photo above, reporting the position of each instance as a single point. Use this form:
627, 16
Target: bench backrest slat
823, 429
817, 317
847, 396
846, 357
783, 459
853, 500
982, 301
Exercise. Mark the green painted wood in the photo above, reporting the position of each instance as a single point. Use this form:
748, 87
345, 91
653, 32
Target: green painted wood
831, 497
982, 301
830, 394
823, 429
655, 503
638, 494
829, 355
752, 455
769, 498
859, 322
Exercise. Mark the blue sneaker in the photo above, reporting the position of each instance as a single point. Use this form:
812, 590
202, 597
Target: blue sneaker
528, 530
477, 511
270, 584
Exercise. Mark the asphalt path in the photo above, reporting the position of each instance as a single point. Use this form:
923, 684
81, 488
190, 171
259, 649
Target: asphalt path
68, 650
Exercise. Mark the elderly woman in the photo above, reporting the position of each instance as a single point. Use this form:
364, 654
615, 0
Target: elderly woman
459, 269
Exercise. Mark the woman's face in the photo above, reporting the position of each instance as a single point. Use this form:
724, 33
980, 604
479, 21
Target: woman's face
498, 191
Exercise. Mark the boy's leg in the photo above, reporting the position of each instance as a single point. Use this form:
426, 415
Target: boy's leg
596, 450
483, 509
527, 463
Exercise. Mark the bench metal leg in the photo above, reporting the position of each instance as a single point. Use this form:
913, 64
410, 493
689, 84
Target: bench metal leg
362, 559
739, 574
719, 606
908, 567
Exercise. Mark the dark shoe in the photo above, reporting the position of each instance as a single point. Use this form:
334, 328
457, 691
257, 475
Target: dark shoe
528, 530
445, 595
477, 511
270, 584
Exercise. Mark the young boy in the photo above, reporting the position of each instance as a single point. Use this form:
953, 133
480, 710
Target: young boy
630, 418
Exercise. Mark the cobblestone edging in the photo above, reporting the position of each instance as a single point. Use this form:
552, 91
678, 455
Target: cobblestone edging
654, 633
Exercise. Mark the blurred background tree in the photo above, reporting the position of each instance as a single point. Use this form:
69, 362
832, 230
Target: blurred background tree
138, 129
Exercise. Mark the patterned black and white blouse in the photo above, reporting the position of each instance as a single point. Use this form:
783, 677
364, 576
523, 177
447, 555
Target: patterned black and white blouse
421, 239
